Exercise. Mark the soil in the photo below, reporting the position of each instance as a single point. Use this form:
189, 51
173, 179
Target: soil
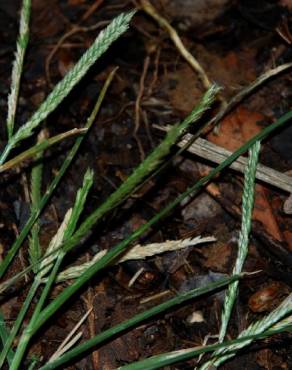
235, 42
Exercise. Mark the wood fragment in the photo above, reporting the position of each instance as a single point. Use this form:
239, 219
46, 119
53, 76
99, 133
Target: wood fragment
155, 296
207, 150
214, 153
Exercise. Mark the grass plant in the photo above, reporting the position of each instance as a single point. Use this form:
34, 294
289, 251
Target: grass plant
46, 264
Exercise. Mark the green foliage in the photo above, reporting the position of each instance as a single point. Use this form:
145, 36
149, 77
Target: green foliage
34, 250
70, 233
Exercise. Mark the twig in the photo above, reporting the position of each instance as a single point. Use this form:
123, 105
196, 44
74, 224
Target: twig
75, 29
155, 73
92, 9
150, 10
191, 60
147, 128
91, 322
138, 103
217, 154
135, 277
214, 153
140, 93
68, 342
155, 296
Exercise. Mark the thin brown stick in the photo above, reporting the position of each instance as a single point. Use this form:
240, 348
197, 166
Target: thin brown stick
138, 105
92, 9
89, 302
150, 10
191, 60
214, 153
71, 338
147, 128
140, 94
155, 73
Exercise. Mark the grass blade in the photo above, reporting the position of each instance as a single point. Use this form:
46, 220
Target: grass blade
135, 320
4, 333
55, 242
65, 231
40, 147
34, 250
17, 324
34, 215
117, 196
166, 359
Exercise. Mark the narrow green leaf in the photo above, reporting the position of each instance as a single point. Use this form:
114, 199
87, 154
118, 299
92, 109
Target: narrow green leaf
135, 320
4, 333
51, 262
34, 215
34, 249
40, 147
170, 358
